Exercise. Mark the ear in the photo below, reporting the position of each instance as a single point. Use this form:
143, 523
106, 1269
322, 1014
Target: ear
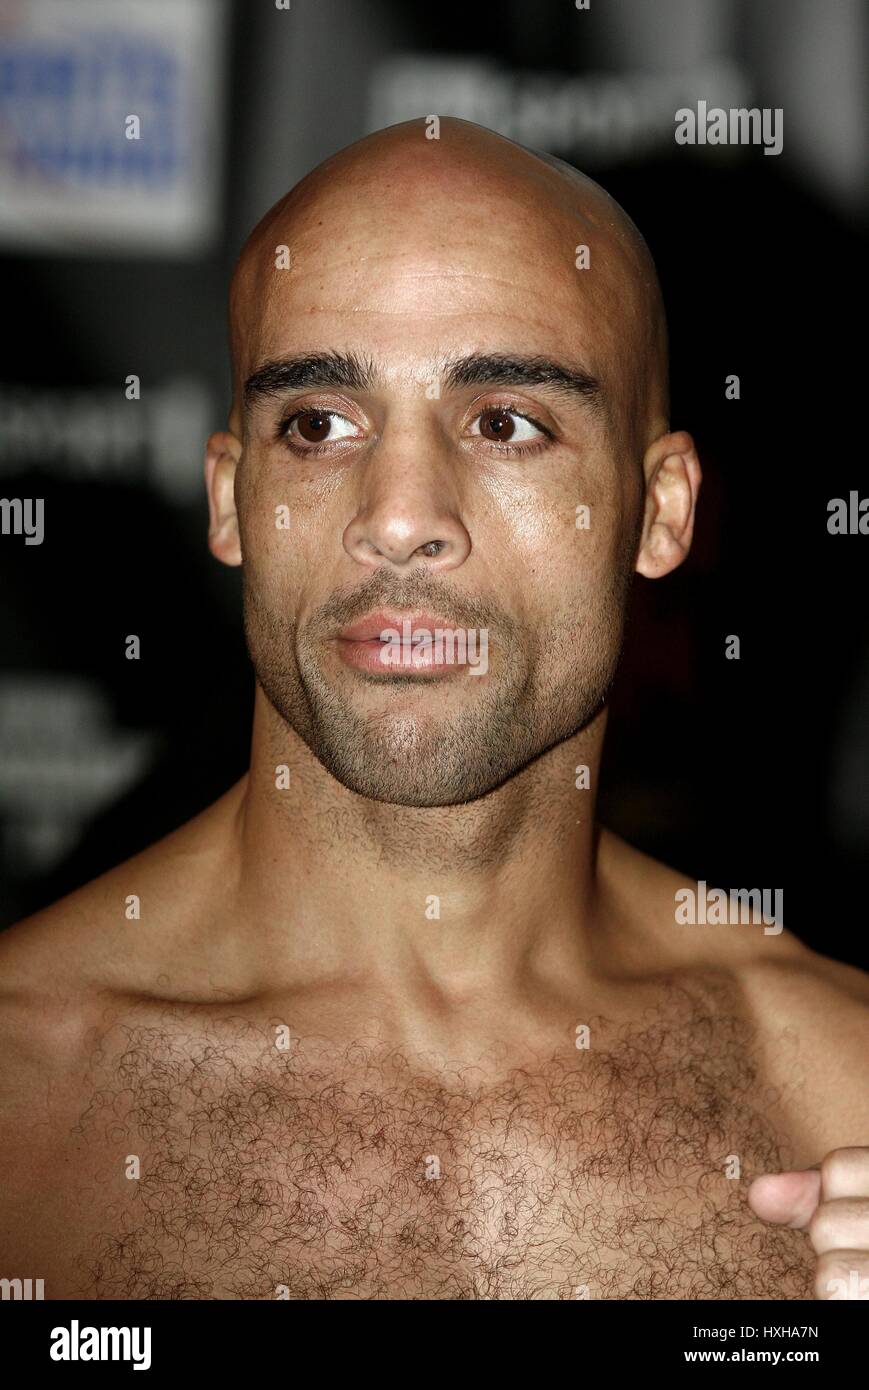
222, 454
673, 477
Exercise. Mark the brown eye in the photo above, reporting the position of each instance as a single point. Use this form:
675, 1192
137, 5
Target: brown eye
505, 425
497, 425
314, 426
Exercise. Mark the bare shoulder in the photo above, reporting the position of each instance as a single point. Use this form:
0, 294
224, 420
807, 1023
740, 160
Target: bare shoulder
669, 921
811, 1018
809, 1014
65, 974
68, 972
114, 932
823, 1004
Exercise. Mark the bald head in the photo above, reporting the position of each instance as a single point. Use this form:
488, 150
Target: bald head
468, 197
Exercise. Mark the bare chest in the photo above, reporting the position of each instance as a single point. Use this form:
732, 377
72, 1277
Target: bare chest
617, 1173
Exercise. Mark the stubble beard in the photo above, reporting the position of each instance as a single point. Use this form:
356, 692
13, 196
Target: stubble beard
438, 747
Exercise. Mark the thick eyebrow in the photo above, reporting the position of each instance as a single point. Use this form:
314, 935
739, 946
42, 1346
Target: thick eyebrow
350, 371
507, 369
317, 369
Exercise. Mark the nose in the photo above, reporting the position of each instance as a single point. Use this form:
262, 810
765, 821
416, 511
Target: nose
408, 509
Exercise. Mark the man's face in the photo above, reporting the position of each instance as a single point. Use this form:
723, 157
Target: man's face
420, 493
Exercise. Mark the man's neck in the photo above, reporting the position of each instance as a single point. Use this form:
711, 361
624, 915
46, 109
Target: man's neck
460, 893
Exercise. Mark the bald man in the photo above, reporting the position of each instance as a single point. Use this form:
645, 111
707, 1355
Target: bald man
394, 1018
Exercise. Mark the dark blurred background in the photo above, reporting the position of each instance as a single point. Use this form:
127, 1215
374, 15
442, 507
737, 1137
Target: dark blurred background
116, 255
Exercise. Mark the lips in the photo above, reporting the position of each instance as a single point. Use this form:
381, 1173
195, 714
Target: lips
368, 629
361, 646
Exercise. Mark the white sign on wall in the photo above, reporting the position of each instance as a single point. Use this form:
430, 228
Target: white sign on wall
110, 121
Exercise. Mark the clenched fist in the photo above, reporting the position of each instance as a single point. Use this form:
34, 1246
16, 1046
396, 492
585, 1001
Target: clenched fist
831, 1202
